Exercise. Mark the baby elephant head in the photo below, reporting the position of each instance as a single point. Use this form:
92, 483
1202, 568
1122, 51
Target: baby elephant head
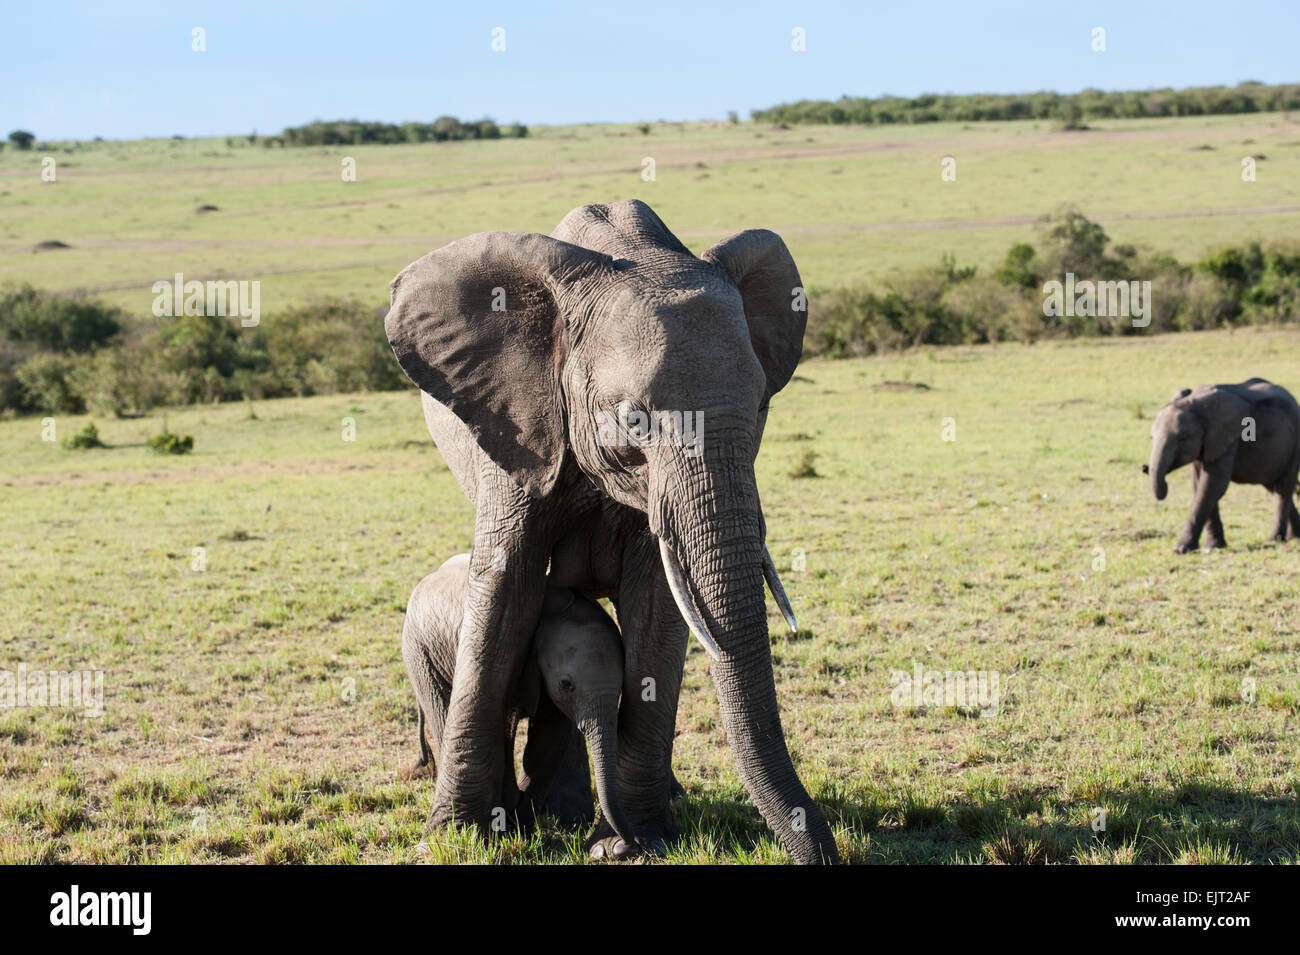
1200, 425
580, 659
1176, 438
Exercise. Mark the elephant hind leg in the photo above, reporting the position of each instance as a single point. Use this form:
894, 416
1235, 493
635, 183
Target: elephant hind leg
1214, 537
1285, 525
1293, 523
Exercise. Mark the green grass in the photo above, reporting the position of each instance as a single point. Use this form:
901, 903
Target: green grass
853, 203
258, 711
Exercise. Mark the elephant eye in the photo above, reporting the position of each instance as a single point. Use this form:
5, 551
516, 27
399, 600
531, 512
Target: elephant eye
566, 684
635, 422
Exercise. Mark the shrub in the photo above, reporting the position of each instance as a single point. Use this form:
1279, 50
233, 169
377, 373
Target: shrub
167, 443
127, 378
1070, 242
56, 322
1019, 269
804, 468
46, 379
324, 347
87, 437
987, 308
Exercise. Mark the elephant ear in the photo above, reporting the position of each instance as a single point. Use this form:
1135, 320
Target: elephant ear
1222, 412
477, 325
763, 271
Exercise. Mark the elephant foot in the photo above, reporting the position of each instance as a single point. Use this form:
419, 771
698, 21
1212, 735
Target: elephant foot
613, 847
654, 836
499, 822
489, 822
605, 843
1215, 545
448, 818
1181, 548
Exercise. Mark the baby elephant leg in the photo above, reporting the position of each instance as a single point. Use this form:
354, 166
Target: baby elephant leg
432, 691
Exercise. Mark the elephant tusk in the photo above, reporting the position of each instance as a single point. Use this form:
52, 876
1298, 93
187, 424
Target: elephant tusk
681, 596
778, 592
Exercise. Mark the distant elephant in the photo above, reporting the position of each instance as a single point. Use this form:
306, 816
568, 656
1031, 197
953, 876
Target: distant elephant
1247, 433
558, 375
576, 668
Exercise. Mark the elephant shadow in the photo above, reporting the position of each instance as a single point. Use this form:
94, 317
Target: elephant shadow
1189, 822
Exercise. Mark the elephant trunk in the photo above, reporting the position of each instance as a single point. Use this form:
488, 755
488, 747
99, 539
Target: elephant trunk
1162, 458
598, 722
715, 530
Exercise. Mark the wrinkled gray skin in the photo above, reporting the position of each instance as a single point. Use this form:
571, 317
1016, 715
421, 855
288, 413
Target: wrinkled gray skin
1205, 428
577, 660
610, 309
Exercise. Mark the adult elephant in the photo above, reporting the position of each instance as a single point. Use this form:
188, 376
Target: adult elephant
1248, 433
527, 348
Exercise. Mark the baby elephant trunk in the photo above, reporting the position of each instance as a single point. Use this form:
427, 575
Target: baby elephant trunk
598, 721
1162, 459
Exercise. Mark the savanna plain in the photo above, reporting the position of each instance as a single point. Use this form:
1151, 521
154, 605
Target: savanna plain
957, 508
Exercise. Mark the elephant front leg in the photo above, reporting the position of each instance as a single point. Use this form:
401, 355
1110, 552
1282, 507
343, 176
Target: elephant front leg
502, 603
1214, 538
1207, 489
654, 651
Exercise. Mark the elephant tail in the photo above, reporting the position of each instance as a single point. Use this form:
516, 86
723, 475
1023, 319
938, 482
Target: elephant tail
424, 765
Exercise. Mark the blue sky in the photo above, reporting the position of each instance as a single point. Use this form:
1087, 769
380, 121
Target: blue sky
80, 69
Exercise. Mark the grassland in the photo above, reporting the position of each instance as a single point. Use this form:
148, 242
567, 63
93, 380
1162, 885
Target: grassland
852, 203
257, 710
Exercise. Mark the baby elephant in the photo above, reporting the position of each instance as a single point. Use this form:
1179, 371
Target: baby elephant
575, 667
1247, 433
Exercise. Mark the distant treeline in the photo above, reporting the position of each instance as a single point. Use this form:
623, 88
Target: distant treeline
72, 354
1070, 108
351, 132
